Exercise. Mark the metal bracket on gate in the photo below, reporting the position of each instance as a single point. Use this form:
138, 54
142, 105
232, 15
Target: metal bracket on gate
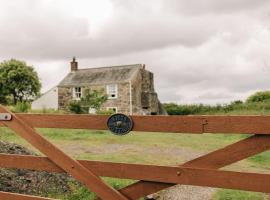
5, 117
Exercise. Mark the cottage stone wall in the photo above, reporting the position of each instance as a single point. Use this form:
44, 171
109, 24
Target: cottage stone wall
149, 98
122, 102
136, 94
64, 96
144, 98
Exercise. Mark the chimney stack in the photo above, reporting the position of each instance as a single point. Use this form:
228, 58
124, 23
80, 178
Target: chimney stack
143, 66
74, 65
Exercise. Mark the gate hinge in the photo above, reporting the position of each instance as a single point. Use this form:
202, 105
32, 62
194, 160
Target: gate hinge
5, 117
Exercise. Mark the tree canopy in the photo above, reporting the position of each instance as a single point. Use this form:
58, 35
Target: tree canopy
259, 97
18, 81
91, 99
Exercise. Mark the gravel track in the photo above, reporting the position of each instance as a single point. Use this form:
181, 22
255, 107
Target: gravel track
184, 192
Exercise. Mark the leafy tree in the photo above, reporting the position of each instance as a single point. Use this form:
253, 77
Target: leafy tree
18, 80
259, 97
91, 99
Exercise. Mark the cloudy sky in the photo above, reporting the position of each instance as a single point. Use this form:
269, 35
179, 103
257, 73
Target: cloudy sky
201, 51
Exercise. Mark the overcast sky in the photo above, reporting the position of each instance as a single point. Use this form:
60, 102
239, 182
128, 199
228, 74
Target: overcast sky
200, 51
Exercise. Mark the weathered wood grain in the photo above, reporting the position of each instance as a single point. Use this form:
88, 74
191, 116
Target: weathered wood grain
71, 166
164, 174
173, 124
14, 196
214, 160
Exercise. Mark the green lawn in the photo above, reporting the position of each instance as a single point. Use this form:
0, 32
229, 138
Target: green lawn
148, 148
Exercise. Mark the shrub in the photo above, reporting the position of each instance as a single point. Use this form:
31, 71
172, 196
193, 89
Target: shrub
259, 97
21, 107
105, 112
92, 99
76, 107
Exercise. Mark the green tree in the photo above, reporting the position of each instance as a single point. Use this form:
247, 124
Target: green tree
91, 99
259, 97
18, 80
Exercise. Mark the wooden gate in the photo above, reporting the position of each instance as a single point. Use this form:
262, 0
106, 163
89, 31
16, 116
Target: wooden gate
202, 171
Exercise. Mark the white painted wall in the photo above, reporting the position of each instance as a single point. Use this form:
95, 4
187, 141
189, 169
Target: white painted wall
47, 100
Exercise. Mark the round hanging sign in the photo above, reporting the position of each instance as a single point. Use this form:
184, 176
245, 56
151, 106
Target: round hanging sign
120, 124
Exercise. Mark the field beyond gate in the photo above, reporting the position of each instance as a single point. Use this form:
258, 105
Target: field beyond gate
201, 171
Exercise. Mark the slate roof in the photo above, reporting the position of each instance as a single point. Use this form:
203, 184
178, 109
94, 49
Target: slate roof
101, 75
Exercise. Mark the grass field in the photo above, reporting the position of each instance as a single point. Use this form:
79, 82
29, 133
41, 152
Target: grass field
148, 148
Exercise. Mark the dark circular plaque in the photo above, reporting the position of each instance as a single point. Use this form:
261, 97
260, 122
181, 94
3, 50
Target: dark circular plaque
120, 124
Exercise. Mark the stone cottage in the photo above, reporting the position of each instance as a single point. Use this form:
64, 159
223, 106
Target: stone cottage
130, 89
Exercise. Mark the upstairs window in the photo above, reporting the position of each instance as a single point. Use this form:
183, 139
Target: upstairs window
112, 91
77, 93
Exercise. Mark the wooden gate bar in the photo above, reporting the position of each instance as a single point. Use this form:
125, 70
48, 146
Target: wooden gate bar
214, 160
99, 122
230, 154
14, 196
175, 175
61, 159
177, 124
37, 163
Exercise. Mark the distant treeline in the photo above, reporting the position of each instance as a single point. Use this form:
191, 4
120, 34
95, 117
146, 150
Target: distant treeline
258, 103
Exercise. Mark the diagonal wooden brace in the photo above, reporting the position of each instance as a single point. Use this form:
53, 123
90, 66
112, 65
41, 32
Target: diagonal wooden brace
214, 160
71, 166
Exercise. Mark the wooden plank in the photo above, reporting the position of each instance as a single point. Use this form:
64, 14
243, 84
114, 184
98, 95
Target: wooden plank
214, 160
99, 122
177, 124
238, 124
167, 174
226, 179
36, 163
14, 196
71, 166
232, 153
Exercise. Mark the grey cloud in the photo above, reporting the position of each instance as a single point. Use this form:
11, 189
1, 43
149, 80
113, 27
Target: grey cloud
200, 51
54, 35
199, 7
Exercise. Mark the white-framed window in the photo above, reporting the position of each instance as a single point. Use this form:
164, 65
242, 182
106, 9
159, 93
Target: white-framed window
77, 93
114, 109
112, 91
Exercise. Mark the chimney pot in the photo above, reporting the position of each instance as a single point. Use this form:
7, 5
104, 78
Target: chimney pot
143, 66
74, 65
